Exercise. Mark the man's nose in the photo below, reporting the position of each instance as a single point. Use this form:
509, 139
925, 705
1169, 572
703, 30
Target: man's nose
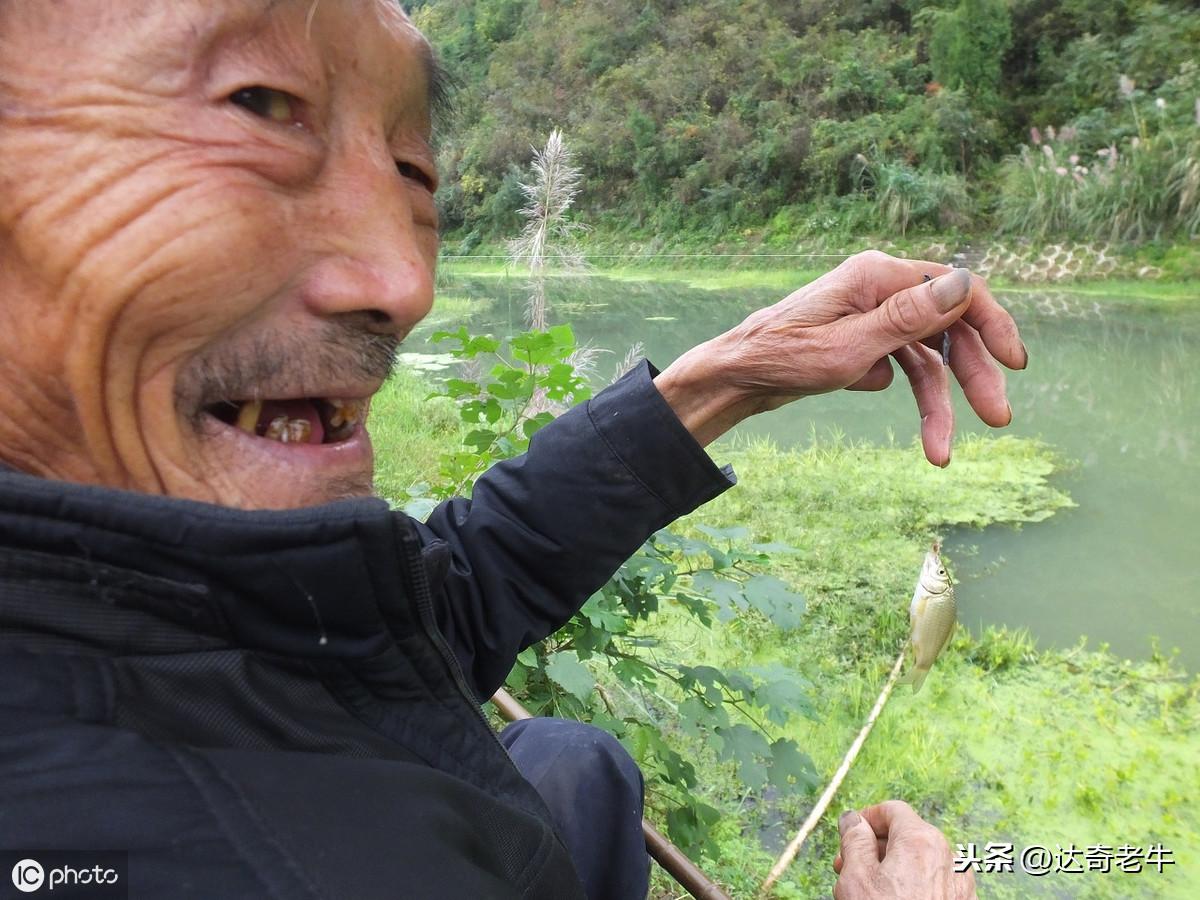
376, 257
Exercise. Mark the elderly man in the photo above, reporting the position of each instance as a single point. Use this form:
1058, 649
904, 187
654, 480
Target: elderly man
217, 652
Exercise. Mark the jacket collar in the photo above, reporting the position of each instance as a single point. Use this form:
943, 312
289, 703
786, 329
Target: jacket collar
304, 582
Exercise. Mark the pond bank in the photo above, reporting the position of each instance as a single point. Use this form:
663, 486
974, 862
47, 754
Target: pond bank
1005, 743
784, 279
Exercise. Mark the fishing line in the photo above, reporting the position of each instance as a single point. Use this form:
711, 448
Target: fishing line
785, 859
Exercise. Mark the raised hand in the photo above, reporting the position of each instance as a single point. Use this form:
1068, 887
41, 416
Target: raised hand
840, 331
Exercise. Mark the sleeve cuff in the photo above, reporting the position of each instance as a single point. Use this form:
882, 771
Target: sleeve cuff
643, 431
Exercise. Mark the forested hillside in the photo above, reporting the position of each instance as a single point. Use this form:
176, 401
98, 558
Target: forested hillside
819, 118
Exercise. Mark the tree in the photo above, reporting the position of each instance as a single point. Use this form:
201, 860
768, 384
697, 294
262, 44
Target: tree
967, 46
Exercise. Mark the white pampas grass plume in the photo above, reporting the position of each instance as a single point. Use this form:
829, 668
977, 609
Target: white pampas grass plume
548, 234
631, 358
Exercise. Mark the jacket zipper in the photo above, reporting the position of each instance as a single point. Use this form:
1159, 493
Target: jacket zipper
417, 583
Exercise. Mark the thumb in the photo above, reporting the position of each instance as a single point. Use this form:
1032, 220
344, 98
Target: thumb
915, 313
858, 842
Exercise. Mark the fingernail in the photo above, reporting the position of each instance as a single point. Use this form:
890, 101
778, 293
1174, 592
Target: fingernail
847, 820
1025, 353
951, 289
1009, 405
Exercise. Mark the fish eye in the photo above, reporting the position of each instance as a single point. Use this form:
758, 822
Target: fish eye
266, 103
941, 571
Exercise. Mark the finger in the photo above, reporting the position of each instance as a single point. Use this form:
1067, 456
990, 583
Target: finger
931, 388
995, 326
880, 852
964, 885
891, 815
878, 275
910, 314
981, 379
859, 843
993, 322
878, 377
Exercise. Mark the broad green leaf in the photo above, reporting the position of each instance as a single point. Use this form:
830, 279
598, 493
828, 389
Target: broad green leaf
517, 678
727, 594
740, 682
456, 387
601, 615
535, 424
480, 439
528, 657
783, 697
698, 607
748, 748
612, 725
775, 600
462, 335
534, 347
565, 670
705, 675
483, 343
562, 336
792, 770
691, 827
774, 547
634, 671
419, 508
736, 533
696, 717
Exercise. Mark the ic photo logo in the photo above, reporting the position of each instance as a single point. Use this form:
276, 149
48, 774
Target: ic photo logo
91, 875
28, 876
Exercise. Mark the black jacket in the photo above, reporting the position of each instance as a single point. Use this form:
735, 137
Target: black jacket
285, 704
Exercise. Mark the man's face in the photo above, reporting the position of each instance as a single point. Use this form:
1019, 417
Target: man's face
216, 224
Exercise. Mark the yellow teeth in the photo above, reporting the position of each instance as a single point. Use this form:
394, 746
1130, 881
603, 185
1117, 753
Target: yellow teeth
247, 419
288, 431
346, 412
298, 431
276, 429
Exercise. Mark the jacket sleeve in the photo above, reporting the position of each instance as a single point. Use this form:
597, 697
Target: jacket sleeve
544, 531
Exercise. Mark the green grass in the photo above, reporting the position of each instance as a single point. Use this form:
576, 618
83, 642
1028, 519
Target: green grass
1004, 743
774, 275
1115, 289
409, 433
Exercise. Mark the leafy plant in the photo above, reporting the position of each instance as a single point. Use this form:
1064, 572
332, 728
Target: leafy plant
609, 665
904, 195
1135, 188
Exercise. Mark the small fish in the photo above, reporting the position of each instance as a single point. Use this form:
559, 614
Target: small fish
932, 615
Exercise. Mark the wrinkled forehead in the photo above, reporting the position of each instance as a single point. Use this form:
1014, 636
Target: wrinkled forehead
178, 34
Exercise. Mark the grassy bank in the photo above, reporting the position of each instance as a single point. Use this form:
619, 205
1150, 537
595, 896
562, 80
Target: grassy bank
1004, 744
1149, 263
785, 279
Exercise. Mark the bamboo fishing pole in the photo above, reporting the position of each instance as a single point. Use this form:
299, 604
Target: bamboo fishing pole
785, 858
666, 854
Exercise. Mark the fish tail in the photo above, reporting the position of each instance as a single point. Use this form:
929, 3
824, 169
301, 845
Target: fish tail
915, 676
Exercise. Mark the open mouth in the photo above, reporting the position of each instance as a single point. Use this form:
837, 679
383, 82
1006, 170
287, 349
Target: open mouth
308, 420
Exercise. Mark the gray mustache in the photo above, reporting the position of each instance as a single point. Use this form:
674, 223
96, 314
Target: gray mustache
343, 350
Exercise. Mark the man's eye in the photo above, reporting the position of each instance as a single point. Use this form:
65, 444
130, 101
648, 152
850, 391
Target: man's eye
408, 170
266, 103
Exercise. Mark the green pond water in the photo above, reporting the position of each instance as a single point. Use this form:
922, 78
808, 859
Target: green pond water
1113, 384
